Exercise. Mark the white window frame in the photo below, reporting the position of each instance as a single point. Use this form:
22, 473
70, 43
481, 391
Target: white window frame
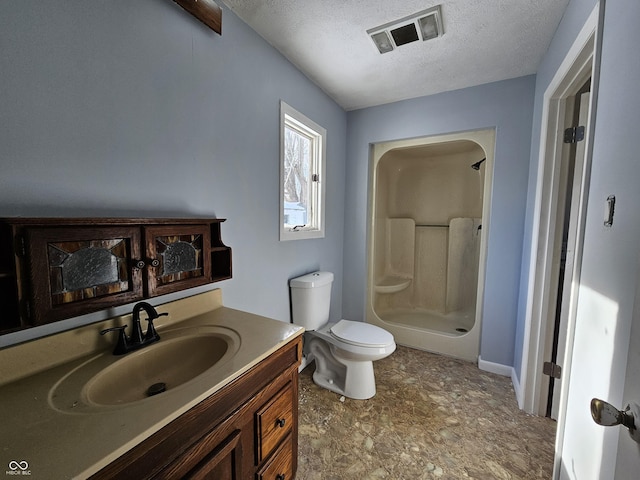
315, 227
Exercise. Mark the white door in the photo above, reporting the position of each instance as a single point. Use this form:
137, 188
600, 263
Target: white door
608, 308
606, 341
628, 459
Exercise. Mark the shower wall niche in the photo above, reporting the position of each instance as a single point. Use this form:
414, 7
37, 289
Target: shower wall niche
426, 235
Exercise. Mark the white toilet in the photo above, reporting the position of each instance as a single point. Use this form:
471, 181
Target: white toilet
344, 351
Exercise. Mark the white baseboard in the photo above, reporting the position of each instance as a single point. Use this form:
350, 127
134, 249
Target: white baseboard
518, 389
505, 371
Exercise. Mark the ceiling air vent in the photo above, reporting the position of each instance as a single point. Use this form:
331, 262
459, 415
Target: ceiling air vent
423, 25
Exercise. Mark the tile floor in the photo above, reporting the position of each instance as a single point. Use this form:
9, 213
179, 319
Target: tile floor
432, 417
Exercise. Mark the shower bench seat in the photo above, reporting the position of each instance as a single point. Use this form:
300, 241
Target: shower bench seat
392, 284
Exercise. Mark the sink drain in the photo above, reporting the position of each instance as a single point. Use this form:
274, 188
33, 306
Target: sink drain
156, 388
462, 330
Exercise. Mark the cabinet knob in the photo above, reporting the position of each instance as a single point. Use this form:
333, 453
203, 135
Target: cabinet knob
281, 422
138, 264
280, 476
154, 262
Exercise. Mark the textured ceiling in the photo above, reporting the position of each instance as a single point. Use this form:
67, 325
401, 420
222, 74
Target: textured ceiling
484, 41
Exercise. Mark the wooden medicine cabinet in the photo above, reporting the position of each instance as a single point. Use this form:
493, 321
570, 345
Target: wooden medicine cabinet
57, 268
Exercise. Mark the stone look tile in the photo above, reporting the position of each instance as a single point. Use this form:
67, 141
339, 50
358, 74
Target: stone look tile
432, 417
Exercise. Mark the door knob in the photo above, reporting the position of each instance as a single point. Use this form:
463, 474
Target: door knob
605, 414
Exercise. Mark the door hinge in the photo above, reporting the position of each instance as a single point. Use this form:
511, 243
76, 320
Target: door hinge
315, 177
551, 369
574, 134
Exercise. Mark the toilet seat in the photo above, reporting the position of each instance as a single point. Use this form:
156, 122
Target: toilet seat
361, 334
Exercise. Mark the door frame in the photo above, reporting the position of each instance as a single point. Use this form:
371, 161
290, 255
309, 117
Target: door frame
570, 190
579, 63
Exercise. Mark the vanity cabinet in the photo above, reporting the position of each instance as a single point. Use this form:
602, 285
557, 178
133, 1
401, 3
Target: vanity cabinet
246, 430
57, 268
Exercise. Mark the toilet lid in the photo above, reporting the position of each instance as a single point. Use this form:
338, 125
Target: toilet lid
363, 334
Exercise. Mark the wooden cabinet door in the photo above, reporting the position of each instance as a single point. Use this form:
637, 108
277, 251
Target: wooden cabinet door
210, 458
178, 257
76, 270
222, 463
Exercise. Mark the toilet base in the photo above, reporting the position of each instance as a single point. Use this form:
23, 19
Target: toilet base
353, 379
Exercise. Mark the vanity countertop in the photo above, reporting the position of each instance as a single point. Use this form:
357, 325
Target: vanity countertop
54, 443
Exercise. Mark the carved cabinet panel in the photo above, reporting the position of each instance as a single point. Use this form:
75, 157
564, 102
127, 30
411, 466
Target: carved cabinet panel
177, 257
72, 270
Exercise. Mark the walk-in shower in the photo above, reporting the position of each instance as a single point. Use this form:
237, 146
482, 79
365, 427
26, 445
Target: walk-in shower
429, 214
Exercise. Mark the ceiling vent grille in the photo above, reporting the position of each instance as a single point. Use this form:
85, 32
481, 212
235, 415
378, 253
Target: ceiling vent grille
423, 25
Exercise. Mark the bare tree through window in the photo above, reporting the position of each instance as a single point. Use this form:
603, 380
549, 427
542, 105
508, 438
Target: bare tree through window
297, 166
302, 167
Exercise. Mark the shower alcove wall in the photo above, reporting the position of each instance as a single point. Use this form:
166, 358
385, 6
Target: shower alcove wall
429, 216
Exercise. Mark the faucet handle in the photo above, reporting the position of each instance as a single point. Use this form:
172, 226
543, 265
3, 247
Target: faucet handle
113, 329
122, 346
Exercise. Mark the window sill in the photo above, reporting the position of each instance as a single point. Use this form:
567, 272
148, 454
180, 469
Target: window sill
286, 235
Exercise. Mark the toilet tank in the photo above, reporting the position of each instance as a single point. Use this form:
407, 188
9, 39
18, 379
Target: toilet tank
311, 299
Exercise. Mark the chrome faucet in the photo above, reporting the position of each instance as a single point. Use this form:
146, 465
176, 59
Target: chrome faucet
137, 340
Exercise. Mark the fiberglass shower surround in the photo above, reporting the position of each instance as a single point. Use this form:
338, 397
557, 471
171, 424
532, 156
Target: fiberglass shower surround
440, 262
426, 241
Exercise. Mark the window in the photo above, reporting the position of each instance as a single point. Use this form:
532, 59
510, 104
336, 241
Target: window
302, 172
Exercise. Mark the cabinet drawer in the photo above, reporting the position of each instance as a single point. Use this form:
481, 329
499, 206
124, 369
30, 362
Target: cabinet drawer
280, 466
273, 421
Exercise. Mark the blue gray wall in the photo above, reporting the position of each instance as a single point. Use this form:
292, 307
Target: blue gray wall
507, 106
136, 108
